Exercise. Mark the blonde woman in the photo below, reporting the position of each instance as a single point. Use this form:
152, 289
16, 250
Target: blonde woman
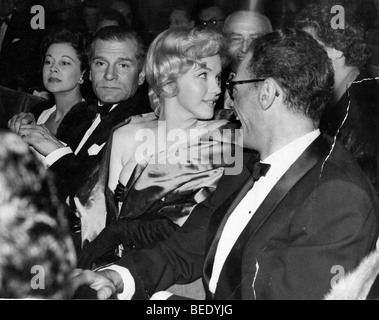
164, 163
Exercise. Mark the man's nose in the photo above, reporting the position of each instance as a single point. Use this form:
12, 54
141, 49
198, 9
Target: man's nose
111, 73
245, 45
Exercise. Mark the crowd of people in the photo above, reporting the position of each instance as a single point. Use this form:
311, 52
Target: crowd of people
225, 148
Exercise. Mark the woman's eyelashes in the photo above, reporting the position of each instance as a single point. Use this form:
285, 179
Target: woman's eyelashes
203, 75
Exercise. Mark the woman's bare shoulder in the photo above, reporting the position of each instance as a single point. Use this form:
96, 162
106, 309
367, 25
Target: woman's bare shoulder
134, 124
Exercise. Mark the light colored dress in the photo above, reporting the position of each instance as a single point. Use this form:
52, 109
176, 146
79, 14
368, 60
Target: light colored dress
172, 181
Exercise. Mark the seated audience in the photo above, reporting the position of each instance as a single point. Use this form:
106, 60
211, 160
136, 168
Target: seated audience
352, 115
278, 232
164, 163
37, 254
117, 76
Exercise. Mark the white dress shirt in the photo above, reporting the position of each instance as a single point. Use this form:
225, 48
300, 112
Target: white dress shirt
54, 156
280, 162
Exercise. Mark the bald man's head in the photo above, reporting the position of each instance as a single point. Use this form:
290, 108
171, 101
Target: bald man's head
241, 28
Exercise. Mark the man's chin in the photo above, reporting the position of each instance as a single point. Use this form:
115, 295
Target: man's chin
110, 99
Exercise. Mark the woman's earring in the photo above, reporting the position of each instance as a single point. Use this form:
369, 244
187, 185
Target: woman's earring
81, 81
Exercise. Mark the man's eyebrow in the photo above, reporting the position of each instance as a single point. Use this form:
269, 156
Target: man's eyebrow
118, 59
125, 59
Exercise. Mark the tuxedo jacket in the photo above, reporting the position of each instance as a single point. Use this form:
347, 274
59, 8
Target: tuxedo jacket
71, 169
320, 216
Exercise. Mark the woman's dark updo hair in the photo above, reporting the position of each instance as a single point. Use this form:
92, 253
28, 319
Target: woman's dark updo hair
65, 35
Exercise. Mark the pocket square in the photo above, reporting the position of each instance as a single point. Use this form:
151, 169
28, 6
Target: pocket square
95, 149
15, 40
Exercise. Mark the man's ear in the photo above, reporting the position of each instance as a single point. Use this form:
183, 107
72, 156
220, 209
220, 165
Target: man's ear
90, 75
141, 78
267, 93
79, 207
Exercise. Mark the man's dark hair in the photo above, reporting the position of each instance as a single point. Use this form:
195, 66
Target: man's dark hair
299, 65
120, 34
63, 34
350, 40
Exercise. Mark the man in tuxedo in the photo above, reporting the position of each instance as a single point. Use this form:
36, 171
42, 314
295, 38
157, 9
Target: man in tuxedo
116, 71
19, 48
281, 228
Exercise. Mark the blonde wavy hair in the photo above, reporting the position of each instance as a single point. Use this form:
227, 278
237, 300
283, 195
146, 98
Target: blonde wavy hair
174, 52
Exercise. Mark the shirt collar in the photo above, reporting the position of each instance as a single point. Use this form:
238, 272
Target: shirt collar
293, 150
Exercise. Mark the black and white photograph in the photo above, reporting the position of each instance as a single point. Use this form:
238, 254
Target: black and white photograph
189, 153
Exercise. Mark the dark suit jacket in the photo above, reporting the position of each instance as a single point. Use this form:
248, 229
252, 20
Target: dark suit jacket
71, 169
360, 131
319, 215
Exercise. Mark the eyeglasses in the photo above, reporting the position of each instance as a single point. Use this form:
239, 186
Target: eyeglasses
212, 22
231, 84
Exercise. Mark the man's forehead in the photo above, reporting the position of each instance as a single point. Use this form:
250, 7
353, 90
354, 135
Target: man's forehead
251, 26
125, 48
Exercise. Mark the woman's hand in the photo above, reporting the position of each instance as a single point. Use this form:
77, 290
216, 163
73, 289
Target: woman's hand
20, 119
40, 138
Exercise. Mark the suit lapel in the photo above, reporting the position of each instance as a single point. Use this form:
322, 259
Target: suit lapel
219, 219
122, 111
315, 153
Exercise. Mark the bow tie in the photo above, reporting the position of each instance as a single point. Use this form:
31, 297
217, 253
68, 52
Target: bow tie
103, 110
258, 169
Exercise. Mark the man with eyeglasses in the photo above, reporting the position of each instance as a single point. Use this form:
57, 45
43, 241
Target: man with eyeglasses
211, 16
279, 229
